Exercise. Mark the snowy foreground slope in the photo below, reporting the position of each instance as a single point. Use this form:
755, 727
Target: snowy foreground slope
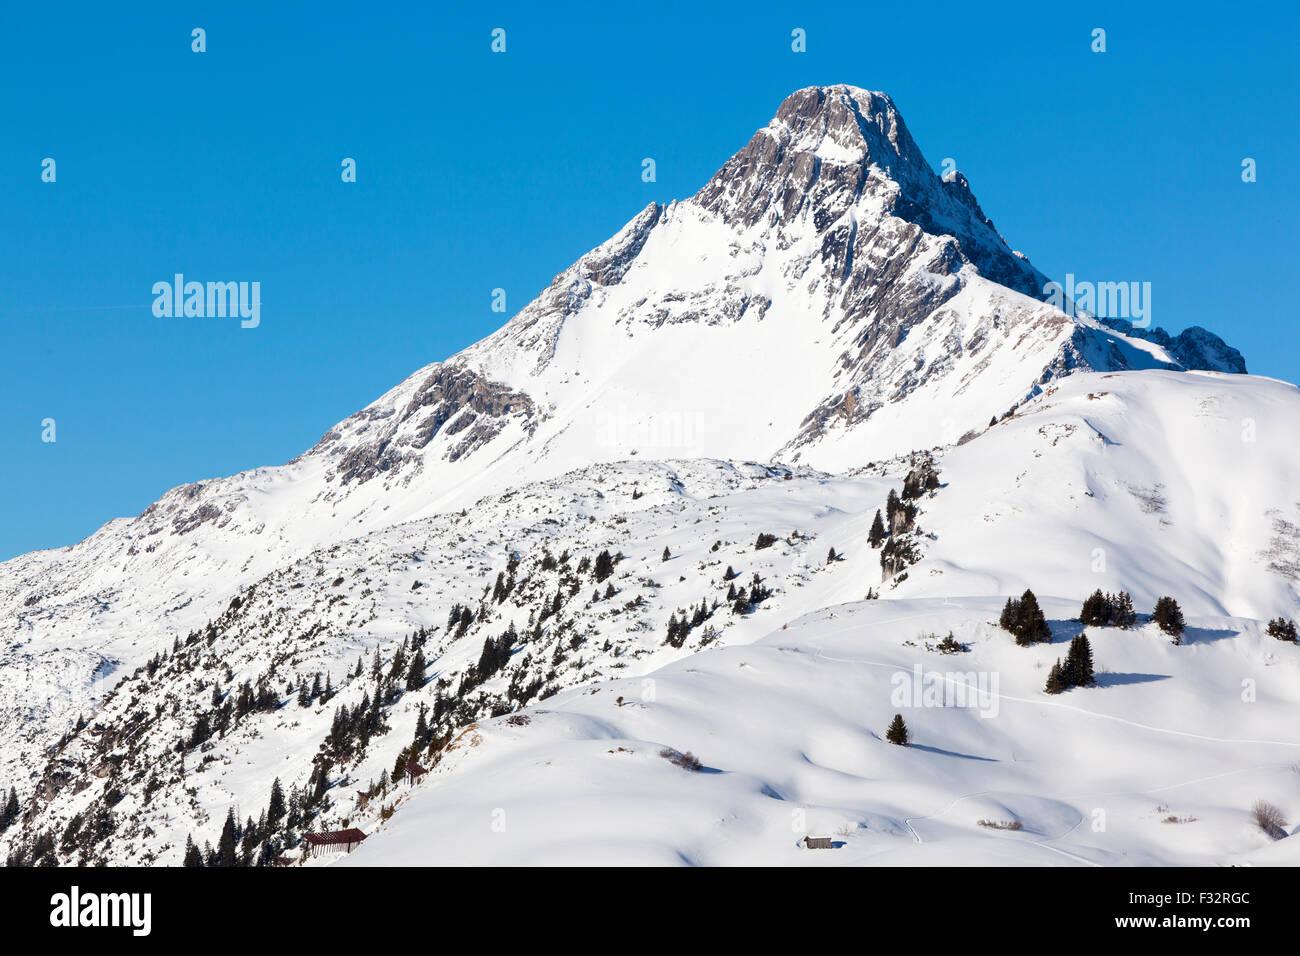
1150, 467
790, 732
640, 476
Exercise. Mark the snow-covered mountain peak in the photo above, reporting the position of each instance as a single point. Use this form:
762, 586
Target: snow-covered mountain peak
839, 152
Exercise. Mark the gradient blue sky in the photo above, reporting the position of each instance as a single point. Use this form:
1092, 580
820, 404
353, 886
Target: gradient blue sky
479, 171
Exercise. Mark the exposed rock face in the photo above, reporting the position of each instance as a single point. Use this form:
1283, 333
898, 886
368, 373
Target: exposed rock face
451, 397
828, 149
1194, 347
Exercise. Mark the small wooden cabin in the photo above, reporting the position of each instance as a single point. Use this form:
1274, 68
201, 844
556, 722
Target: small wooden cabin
334, 841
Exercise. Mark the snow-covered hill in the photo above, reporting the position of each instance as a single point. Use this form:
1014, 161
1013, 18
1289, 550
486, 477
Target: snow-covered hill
769, 357
1158, 765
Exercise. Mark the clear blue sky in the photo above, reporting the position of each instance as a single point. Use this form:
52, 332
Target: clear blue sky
478, 171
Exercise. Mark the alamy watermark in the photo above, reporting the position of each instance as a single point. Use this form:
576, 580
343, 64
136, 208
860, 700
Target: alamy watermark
663, 431
76, 909
211, 300
977, 690
1106, 300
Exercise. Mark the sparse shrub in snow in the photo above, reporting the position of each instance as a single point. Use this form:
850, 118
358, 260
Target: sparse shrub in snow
1269, 819
950, 645
1282, 629
1169, 617
687, 761
898, 732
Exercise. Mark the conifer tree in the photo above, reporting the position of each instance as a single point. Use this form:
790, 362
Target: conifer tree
1125, 616
877, 533
1078, 663
422, 729
1094, 611
604, 566
1033, 623
892, 505
415, 675
226, 845
1056, 679
1169, 617
275, 807
898, 732
1025, 619
1282, 629
673, 628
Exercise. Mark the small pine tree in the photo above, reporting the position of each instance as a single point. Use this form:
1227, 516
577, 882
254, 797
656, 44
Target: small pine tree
1282, 629
1025, 620
1094, 611
1056, 679
415, 675
673, 632
892, 505
1125, 617
275, 807
876, 536
226, 846
898, 732
1078, 663
1169, 616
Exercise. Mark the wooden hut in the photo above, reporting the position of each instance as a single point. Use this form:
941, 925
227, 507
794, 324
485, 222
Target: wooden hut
412, 771
334, 841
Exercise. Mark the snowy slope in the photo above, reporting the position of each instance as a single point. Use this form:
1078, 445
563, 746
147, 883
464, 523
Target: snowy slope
790, 732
